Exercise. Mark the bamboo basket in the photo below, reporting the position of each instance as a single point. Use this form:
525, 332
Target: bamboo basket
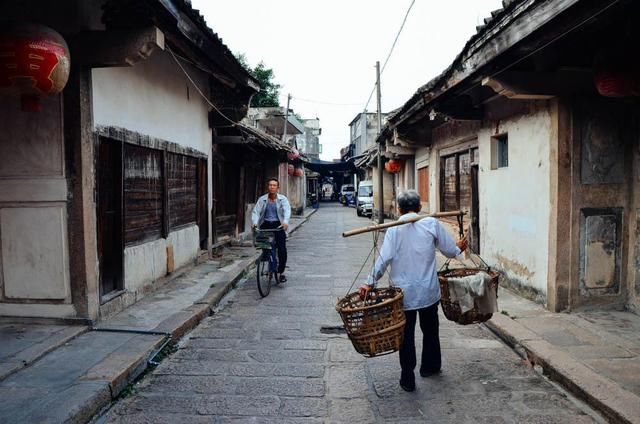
451, 309
375, 326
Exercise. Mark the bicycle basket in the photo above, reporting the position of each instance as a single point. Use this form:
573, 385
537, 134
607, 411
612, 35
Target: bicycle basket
263, 239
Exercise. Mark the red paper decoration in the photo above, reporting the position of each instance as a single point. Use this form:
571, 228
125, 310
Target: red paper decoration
393, 166
297, 172
294, 154
34, 61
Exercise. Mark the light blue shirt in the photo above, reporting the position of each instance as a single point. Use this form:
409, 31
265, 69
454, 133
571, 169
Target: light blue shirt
410, 249
271, 213
259, 210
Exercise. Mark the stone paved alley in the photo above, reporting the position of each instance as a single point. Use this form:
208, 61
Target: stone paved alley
267, 360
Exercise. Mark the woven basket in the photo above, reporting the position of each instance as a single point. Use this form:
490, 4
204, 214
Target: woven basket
375, 327
452, 309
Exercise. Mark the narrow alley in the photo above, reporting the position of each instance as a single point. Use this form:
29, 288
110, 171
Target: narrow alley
281, 359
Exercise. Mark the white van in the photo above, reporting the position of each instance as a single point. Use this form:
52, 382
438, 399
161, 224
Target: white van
364, 198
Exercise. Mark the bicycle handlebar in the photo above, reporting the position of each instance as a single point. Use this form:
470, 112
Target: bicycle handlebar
268, 230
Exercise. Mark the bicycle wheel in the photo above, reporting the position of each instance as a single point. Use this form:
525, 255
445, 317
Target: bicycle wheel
273, 263
263, 276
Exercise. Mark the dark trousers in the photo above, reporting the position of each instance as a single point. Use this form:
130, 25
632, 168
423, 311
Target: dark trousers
431, 360
281, 243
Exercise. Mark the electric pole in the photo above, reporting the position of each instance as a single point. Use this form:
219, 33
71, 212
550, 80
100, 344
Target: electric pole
286, 120
380, 170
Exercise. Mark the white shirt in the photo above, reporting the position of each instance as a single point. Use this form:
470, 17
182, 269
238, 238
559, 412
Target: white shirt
410, 249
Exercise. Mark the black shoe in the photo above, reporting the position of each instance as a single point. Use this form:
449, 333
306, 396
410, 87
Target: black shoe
407, 387
425, 373
283, 279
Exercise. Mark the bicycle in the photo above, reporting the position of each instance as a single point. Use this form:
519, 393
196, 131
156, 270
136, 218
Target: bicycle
267, 263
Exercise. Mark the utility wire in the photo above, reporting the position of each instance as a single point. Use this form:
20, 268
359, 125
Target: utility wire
390, 51
206, 99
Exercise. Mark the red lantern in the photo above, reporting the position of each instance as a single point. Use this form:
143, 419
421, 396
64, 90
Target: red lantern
290, 169
298, 172
393, 166
294, 154
611, 83
34, 61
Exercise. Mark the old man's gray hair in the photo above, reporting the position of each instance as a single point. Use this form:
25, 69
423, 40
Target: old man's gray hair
408, 200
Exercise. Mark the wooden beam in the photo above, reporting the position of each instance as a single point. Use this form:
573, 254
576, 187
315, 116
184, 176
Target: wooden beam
116, 48
541, 85
399, 150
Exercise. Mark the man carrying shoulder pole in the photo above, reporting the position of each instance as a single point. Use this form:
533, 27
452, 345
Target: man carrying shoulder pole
410, 250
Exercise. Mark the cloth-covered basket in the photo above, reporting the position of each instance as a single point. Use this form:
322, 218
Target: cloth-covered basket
375, 326
451, 309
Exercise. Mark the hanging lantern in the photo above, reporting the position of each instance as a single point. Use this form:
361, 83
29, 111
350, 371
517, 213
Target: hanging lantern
294, 154
297, 172
290, 169
393, 166
34, 62
611, 83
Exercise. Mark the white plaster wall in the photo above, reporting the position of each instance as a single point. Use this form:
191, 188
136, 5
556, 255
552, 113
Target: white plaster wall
154, 98
185, 244
515, 201
145, 263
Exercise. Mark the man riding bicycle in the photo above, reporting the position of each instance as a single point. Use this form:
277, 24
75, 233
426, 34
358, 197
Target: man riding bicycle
273, 210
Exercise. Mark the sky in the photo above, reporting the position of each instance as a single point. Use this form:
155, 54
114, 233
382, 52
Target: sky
323, 52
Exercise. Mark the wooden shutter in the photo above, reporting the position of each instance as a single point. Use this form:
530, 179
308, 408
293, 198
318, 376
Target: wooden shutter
143, 194
423, 184
182, 188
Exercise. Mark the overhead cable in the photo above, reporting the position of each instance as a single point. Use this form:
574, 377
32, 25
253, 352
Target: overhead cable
390, 51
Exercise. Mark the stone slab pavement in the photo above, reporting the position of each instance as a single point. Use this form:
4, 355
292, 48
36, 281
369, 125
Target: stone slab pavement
594, 354
55, 372
282, 359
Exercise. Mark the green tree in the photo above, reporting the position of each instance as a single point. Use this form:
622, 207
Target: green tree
270, 91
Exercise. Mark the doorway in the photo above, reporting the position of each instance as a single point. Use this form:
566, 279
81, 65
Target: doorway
109, 214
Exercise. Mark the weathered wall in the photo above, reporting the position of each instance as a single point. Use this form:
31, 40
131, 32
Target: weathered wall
515, 200
389, 192
154, 98
296, 194
604, 217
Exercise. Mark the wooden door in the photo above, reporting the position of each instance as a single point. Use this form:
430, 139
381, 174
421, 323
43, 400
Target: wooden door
464, 182
110, 228
423, 184
449, 187
203, 204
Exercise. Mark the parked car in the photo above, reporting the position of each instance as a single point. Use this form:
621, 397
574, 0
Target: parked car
364, 199
346, 189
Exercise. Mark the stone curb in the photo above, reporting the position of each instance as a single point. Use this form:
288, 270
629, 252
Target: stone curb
615, 403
